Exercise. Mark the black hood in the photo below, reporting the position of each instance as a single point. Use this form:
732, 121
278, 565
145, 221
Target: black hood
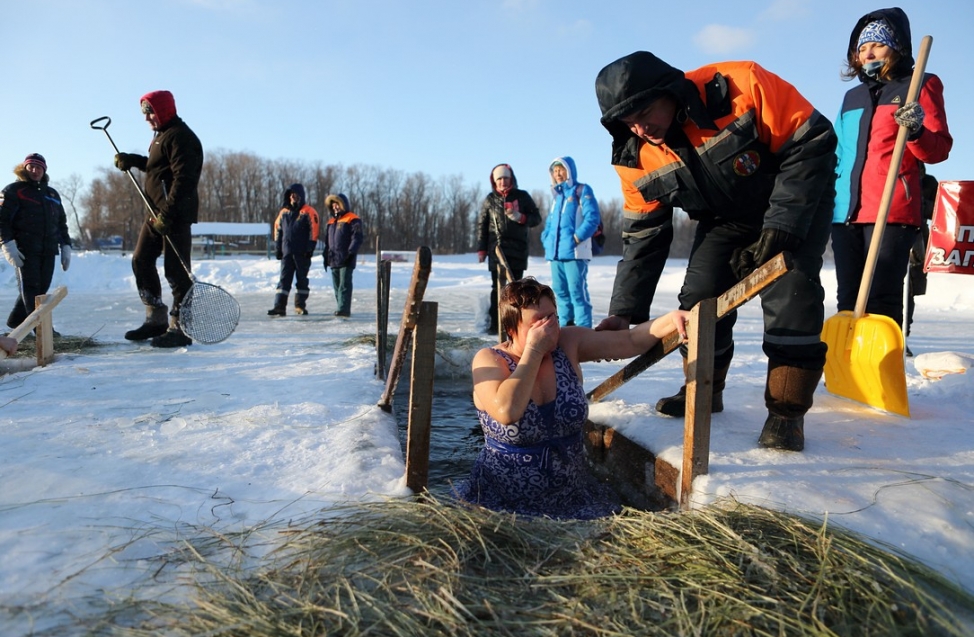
630, 84
898, 21
297, 189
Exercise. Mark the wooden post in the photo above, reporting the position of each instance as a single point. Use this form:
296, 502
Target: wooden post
748, 288
503, 278
384, 276
40, 318
700, 388
44, 334
421, 400
414, 298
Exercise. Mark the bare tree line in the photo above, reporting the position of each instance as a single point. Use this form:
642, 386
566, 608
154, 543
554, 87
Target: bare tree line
406, 210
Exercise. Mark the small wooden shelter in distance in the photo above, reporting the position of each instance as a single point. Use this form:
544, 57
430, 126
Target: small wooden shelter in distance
223, 237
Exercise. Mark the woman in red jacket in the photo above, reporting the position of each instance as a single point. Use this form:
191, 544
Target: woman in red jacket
880, 57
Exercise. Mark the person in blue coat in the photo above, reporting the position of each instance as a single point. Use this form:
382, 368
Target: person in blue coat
343, 238
567, 239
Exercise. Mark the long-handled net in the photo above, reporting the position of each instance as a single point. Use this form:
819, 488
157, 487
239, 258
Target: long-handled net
208, 314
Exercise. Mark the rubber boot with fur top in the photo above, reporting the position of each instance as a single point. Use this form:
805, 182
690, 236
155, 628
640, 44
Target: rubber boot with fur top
788, 396
156, 323
676, 405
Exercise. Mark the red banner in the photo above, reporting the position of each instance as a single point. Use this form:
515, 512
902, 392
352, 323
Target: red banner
951, 247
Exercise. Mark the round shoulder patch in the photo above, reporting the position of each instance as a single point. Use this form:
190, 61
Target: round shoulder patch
747, 163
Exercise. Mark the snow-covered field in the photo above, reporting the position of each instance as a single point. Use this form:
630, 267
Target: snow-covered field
106, 455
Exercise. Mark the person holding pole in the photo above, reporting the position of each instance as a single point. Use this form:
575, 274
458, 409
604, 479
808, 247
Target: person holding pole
880, 57
33, 229
532, 407
172, 174
502, 233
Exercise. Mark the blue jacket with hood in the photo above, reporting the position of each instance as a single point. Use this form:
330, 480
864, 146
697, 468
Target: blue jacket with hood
343, 235
572, 219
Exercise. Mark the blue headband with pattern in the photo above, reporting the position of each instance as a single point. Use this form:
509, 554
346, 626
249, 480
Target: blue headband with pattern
878, 31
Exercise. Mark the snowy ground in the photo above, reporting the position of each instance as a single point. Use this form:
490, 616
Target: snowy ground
106, 455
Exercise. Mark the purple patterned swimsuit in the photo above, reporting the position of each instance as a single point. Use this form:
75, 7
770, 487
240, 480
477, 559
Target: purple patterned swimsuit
537, 465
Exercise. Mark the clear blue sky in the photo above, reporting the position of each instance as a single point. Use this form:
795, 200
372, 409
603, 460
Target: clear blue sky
446, 87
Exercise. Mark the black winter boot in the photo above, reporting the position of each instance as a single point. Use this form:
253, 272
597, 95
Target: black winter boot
787, 434
280, 305
156, 323
676, 405
174, 336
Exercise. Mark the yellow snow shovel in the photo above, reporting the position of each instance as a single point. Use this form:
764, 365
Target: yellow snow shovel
865, 357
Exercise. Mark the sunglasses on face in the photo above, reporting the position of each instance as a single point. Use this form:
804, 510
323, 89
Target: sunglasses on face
146, 108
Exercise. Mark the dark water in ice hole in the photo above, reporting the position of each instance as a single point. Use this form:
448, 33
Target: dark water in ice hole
456, 439
455, 435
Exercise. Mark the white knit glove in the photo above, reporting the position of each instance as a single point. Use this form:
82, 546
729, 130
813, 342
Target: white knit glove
13, 254
911, 116
65, 257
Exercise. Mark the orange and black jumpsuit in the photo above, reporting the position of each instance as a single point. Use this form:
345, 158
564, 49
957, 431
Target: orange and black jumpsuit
746, 151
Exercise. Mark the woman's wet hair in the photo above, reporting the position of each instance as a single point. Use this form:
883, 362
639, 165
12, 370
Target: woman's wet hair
515, 296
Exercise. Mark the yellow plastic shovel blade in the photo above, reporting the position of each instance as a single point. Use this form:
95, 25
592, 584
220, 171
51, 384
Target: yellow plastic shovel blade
865, 361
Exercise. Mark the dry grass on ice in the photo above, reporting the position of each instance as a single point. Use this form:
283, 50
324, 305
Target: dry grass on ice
427, 568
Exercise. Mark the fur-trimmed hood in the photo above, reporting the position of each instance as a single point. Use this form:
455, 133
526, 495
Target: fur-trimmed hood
340, 199
20, 171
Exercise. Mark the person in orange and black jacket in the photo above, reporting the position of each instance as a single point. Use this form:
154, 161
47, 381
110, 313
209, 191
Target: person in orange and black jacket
33, 227
505, 216
748, 157
343, 238
295, 238
172, 174
880, 57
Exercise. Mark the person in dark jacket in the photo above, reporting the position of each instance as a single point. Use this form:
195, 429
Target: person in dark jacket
747, 156
172, 174
916, 279
295, 238
33, 228
505, 217
880, 56
343, 238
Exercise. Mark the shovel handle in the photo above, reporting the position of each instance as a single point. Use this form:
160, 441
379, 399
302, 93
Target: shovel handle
894, 168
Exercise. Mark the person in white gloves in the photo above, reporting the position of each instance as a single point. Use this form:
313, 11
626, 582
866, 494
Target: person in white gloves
33, 231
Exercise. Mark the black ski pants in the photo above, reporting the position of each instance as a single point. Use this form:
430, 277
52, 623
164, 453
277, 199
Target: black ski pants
150, 246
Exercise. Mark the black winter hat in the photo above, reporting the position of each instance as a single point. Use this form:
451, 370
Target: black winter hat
634, 82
